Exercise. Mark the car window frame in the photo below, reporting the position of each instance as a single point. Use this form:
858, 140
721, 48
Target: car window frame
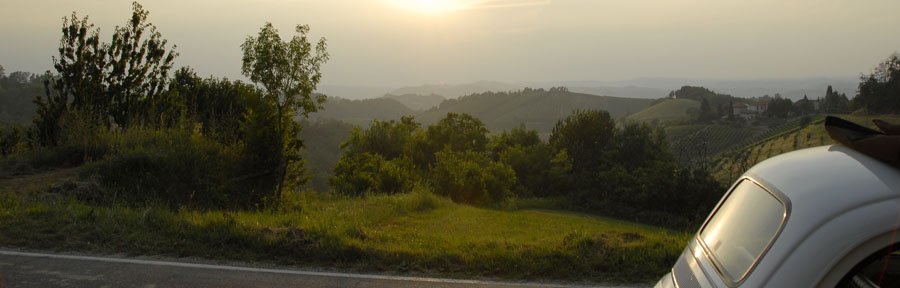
780, 197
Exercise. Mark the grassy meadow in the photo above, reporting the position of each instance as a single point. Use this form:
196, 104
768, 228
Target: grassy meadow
415, 234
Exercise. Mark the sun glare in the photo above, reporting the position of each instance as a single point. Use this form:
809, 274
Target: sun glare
432, 6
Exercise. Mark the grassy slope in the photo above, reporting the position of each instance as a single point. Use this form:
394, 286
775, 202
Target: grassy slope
732, 164
669, 110
416, 233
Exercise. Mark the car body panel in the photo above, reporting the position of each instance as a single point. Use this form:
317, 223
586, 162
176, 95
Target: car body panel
844, 206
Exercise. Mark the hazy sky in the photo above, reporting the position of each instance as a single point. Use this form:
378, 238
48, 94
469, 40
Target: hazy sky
404, 42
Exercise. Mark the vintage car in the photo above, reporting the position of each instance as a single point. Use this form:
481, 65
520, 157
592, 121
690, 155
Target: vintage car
820, 217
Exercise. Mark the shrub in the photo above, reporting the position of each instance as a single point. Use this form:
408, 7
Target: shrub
177, 167
367, 173
472, 178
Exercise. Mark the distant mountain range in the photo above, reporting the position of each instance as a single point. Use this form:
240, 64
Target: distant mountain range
649, 88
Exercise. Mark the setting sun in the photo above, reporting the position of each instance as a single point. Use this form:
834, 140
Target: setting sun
432, 6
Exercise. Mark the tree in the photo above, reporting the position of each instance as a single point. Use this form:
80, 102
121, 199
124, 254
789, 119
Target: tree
780, 107
879, 92
119, 80
138, 68
456, 132
586, 135
835, 102
706, 112
289, 73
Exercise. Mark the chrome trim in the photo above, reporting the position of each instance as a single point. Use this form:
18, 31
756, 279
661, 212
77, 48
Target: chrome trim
785, 202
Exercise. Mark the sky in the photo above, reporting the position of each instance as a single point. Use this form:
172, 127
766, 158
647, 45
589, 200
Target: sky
411, 42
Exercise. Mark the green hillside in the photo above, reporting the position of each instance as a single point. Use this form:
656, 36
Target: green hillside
732, 164
537, 109
418, 102
667, 111
361, 112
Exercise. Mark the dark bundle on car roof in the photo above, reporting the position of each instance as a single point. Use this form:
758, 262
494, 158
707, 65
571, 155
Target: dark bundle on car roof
883, 145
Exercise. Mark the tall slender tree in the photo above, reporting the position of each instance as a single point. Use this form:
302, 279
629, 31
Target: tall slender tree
289, 73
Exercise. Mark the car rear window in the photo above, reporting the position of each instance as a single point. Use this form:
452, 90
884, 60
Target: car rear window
742, 229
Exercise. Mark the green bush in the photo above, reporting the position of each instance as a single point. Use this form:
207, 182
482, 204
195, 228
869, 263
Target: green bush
177, 167
367, 173
472, 178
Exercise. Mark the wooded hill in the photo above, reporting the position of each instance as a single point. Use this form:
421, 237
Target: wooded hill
537, 109
362, 112
418, 102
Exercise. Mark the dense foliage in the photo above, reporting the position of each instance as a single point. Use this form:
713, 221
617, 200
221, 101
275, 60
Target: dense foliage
452, 155
621, 170
879, 92
180, 140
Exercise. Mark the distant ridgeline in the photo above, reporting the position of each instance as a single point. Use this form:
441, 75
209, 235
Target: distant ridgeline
537, 109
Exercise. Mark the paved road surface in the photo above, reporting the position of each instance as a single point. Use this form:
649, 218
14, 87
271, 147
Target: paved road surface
22, 269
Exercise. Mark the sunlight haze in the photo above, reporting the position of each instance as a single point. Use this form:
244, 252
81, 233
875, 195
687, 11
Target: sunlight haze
411, 42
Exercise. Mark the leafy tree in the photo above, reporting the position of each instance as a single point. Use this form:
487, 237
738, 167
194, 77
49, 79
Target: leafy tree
137, 70
218, 105
706, 113
459, 132
780, 107
586, 136
879, 92
515, 137
640, 145
456, 132
540, 170
385, 138
835, 102
289, 73
119, 80
374, 160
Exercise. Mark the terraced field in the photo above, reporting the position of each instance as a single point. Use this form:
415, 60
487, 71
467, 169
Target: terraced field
703, 142
730, 165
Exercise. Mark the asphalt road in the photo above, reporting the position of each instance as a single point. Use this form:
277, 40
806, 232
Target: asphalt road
23, 269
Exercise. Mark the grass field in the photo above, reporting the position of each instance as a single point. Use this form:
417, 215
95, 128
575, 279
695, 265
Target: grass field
413, 234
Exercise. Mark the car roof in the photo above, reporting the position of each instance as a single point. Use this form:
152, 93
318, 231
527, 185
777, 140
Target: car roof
837, 198
828, 180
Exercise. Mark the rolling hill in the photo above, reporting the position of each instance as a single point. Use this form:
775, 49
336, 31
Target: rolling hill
458, 90
418, 102
537, 109
667, 110
361, 112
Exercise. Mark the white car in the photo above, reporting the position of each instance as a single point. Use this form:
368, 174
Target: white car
819, 217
